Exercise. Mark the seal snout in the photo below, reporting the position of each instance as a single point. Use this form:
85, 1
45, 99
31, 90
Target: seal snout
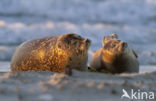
114, 57
87, 42
123, 46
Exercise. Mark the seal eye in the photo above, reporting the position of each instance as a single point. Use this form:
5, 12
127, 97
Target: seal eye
79, 37
73, 37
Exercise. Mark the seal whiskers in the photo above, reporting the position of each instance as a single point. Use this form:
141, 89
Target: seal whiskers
114, 57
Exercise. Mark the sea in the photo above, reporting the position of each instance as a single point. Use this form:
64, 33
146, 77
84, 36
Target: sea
134, 21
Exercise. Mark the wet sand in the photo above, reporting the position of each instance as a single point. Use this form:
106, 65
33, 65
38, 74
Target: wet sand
81, 86
5, 67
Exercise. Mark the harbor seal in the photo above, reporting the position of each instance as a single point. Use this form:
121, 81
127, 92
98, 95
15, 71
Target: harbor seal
114, 57
52, 53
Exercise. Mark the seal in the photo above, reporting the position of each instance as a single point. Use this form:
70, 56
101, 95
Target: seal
52, 53
114, 57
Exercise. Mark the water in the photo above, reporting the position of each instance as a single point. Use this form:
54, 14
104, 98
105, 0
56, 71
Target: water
133, 20
5, 66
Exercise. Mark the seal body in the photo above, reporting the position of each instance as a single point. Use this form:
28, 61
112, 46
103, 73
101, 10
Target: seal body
114, 57
52, 53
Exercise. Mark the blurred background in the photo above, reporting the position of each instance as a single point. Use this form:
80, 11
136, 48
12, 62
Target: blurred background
133, 20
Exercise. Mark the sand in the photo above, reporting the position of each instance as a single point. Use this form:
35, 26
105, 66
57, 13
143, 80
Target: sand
81, 86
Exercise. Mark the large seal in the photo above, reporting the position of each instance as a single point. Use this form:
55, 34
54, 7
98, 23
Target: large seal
115, 57
52, 53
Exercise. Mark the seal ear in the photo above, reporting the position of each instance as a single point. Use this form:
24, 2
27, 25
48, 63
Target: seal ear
135, 53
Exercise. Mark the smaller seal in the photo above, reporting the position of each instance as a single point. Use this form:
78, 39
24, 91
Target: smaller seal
115, 57
52, 53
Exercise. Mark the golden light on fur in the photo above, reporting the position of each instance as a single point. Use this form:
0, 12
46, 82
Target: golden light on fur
41, 54
52, 53
115, 57
108, 56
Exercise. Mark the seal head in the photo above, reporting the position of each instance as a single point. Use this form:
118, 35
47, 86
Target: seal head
115, 57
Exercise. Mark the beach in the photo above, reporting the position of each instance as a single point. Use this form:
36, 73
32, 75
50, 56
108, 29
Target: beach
134, 21
81, 86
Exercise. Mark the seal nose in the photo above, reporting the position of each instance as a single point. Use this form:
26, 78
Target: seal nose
124, 44
88, 41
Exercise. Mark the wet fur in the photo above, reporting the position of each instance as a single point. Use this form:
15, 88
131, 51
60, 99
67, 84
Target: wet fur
52, 53
115, 57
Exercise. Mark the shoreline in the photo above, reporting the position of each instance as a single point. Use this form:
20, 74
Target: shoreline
87, 86
48, 86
